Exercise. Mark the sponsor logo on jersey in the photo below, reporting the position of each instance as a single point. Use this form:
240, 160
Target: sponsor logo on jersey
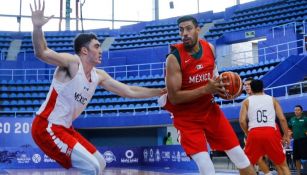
199, 66
86, 88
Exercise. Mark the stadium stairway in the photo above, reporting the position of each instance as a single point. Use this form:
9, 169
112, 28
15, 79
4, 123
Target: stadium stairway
14, 49
107, 43
291, 70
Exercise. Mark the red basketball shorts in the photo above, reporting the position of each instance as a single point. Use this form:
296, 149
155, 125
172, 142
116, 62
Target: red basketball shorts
264, 141
215, 129
56, 141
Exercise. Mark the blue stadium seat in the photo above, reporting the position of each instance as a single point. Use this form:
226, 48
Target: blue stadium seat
4, 95
265, 69
259, 70
271, 67
124, 106
28, 102
13, 88
42, 94
36, 102
27, 94
254, 71
4, 81
6, 109
94, 100
5, 102
145, 105
29, 108
242, 73
20, 102
3, 88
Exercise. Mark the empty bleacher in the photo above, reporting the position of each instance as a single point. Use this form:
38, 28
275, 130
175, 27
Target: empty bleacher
269, 15
59, 41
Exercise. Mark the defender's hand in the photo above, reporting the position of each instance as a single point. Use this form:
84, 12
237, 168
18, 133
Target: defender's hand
37, 17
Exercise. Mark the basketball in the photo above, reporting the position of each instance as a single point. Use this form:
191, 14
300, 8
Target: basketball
234, 89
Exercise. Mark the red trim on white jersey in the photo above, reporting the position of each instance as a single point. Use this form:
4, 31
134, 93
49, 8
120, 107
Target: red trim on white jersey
50, 104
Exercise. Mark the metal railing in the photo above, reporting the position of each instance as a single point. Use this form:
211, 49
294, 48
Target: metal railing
124, 71
278, 51
284, 26
4, 53
277, 91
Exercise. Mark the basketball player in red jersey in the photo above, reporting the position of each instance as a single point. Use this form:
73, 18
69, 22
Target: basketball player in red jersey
74, 83
190, 81
257, 120
261, 162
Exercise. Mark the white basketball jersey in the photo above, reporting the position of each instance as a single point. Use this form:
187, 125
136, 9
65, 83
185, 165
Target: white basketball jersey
66, 101
261, 111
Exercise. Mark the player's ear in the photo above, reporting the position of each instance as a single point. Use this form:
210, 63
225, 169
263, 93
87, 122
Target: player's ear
84, 50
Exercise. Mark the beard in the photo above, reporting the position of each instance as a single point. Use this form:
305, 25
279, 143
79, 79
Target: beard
189, 46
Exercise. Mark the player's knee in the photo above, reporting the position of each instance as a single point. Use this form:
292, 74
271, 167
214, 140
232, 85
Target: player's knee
101, 160
103, 164
97, 167
238, 157
204, 163
90, 168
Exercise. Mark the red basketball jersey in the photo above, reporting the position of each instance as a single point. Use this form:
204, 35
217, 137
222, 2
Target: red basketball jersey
195, 73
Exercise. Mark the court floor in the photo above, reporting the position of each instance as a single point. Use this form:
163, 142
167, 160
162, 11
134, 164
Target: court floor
109, 171
117, 171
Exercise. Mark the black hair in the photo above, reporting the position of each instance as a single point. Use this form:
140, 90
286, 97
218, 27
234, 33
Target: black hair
187, 18
249, 79
256, 86
83, 40
299, 106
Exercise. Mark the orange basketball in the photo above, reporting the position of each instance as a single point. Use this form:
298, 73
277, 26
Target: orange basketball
234, 89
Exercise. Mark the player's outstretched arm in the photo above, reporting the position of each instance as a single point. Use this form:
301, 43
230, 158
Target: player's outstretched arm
123, 90
39, 43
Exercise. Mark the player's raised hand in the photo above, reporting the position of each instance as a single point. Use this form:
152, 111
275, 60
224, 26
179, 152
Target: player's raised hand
38, 18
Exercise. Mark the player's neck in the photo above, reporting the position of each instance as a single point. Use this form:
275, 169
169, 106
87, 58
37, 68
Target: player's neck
196, 48
87, 68
258, 93
298, 116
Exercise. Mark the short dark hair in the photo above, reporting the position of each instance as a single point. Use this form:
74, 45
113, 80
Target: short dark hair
299, 106
256, 86
83, 40
249, 79
187, 18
